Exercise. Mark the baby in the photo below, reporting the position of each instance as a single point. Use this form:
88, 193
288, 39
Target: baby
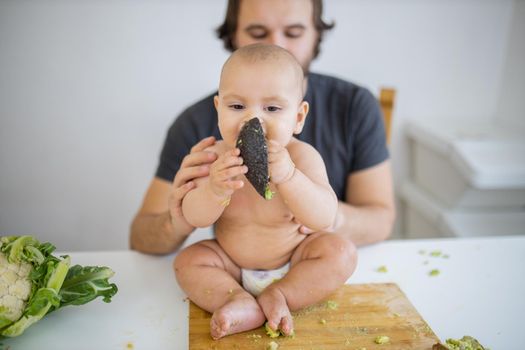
260, 267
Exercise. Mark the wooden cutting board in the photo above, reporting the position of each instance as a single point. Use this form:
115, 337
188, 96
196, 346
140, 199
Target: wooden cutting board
362, 313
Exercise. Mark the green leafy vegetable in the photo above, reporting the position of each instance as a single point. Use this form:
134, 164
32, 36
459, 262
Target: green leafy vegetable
33, 283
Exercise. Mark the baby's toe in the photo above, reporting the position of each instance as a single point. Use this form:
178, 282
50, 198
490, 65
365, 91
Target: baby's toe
218, 327
286, 325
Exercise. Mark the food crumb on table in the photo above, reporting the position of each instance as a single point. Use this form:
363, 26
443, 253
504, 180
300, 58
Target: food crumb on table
382, 269
332, 305
272, 346
381, 339
434, 272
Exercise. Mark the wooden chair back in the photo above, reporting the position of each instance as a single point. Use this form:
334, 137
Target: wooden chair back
386, 101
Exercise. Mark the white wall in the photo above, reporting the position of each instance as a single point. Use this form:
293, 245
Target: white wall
511, 103
88, 89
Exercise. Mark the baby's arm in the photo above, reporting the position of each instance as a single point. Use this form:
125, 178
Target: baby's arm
305, 189
203, 205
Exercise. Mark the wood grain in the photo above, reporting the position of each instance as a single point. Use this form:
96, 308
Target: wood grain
364, 311
386, 101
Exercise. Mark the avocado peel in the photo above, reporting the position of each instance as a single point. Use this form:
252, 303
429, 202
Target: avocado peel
254, 152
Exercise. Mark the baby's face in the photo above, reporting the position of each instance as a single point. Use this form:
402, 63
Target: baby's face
268, 91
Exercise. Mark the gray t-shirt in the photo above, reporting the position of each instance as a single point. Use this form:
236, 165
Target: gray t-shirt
344, 124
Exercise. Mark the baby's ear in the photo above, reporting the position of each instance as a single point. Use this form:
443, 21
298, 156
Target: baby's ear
302, 112
216, 101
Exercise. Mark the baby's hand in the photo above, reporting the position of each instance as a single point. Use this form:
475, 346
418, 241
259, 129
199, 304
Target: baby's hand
281, 166
223, 173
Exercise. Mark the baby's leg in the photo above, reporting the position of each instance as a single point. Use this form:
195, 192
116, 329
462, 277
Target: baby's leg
320, 264
211, 280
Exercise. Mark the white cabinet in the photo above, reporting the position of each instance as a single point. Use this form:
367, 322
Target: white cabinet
464, 183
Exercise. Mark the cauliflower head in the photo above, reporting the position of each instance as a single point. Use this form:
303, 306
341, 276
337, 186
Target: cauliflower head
15, 288
33, 283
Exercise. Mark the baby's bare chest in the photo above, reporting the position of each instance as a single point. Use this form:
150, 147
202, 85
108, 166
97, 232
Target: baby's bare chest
246, 205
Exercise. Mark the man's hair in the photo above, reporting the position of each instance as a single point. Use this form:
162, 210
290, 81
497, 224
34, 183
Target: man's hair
227, 29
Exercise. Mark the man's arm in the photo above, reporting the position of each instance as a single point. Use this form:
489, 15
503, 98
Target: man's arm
153, 230
367, 216
368, 212
159, 227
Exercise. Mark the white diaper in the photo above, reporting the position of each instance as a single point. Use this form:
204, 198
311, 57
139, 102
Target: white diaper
254, 281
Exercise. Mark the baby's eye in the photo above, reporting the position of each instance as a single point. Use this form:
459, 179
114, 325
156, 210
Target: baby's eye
273, 109
236, 106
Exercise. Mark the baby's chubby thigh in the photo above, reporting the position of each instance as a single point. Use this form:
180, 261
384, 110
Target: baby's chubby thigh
201, 254
332, 254
323, 245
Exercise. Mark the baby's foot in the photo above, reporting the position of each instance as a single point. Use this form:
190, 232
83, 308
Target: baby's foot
240, 313
273, 303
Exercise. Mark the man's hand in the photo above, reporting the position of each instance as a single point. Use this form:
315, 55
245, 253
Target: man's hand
280, 165
194, 165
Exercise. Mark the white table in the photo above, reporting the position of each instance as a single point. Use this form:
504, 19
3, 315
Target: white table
480, 291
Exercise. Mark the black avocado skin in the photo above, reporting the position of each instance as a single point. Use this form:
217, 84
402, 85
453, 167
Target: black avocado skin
254, 153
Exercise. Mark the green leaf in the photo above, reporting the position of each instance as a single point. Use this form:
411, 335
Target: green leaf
84, 284
40, 304
4, 321
25, 248
59, 271
44, 298
13, 247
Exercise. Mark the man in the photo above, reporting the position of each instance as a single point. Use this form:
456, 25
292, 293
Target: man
344, 125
